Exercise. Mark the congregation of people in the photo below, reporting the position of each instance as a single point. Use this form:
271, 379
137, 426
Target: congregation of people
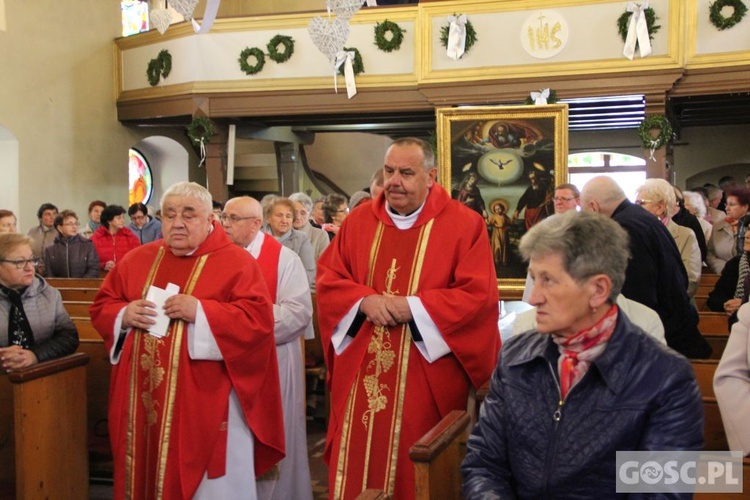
204, 304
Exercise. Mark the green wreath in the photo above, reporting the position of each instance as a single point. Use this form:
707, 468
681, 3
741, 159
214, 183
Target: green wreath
273, 48
552, 99
724, 23
159, 68
651, 17
200, 130
652, 122
260, 59
384, 43
471, 35
357, 65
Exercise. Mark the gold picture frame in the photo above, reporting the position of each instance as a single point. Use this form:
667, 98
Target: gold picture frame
504, 162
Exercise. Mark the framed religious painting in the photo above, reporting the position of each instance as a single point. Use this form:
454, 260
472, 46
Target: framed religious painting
504, 163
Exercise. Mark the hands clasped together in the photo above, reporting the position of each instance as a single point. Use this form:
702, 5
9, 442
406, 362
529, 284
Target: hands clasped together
140, 313
16, 357
386, 310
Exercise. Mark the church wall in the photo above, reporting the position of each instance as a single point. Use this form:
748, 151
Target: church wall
57, 100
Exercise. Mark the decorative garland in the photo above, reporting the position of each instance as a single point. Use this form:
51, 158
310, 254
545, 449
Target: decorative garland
397, 36
651, 17
652, 122
552, 99
357, 65
259, 57
200, 130
273, 48
159, 68
471, 36
724, 23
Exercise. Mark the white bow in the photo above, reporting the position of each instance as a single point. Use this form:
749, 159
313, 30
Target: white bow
372, 3
540, 98
203, 152
345, 57
209, 16
456, 36
637, 29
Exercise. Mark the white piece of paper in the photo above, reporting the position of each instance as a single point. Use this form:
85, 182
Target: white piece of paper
159, 296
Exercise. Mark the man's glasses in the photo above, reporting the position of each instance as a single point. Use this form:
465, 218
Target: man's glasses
21, 264
642, 202
560, 199
234, 219
72, 224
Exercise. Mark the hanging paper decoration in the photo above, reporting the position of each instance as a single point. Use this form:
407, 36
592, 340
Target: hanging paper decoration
638, 30
346, 57
542, 97
329, 36
184, 7
456, 36
344, 9
160, 19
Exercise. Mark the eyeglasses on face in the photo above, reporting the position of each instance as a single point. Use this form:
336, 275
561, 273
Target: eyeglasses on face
561, 199
22, 263
343, 210
71, 223
234, 219
642, 202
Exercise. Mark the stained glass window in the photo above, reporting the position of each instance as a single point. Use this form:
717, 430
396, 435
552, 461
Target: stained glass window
134, 16
141, 181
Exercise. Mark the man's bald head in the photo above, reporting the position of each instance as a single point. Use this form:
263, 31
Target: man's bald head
602, 194
242, 218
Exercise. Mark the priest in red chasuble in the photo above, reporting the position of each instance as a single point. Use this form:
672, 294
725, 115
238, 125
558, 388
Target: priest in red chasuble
408, 310
195, 408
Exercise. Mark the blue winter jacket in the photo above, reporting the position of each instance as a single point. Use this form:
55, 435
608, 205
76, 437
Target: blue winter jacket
151, 231
638, 395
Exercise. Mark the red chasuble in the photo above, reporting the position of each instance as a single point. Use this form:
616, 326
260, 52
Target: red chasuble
384, 394
168, 412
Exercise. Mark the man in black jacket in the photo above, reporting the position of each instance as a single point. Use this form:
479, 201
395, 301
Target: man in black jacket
655, 276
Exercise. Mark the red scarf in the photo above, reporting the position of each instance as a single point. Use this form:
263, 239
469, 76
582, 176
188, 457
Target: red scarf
578, 351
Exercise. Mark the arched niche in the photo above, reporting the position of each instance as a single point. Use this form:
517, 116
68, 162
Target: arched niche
712, 175
9, 183
169, 163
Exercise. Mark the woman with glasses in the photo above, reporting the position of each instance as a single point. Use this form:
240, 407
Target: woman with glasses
335, 210
34, 325
728, 234
113, 240
71, 255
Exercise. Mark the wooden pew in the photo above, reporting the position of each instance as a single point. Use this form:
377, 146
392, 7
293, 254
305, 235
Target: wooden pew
704, 370
713, 323
43, 430
97, 383
94, 283
713, 430
708, 279
77, 308
78, 294
701, 302
437, 457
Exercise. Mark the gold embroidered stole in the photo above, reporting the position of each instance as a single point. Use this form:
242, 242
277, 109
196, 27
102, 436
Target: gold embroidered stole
367, 456
153, 381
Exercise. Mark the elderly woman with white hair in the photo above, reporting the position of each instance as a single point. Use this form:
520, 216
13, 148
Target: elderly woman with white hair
584, 385
657, 197
695, 203
303, 206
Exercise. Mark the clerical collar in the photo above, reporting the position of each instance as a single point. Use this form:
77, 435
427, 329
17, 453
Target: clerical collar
210, 230
404, 221
255, 245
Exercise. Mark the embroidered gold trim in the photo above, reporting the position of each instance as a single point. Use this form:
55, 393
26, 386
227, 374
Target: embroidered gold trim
179, 331
130, 454
343, 460
374, 249
416, 273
